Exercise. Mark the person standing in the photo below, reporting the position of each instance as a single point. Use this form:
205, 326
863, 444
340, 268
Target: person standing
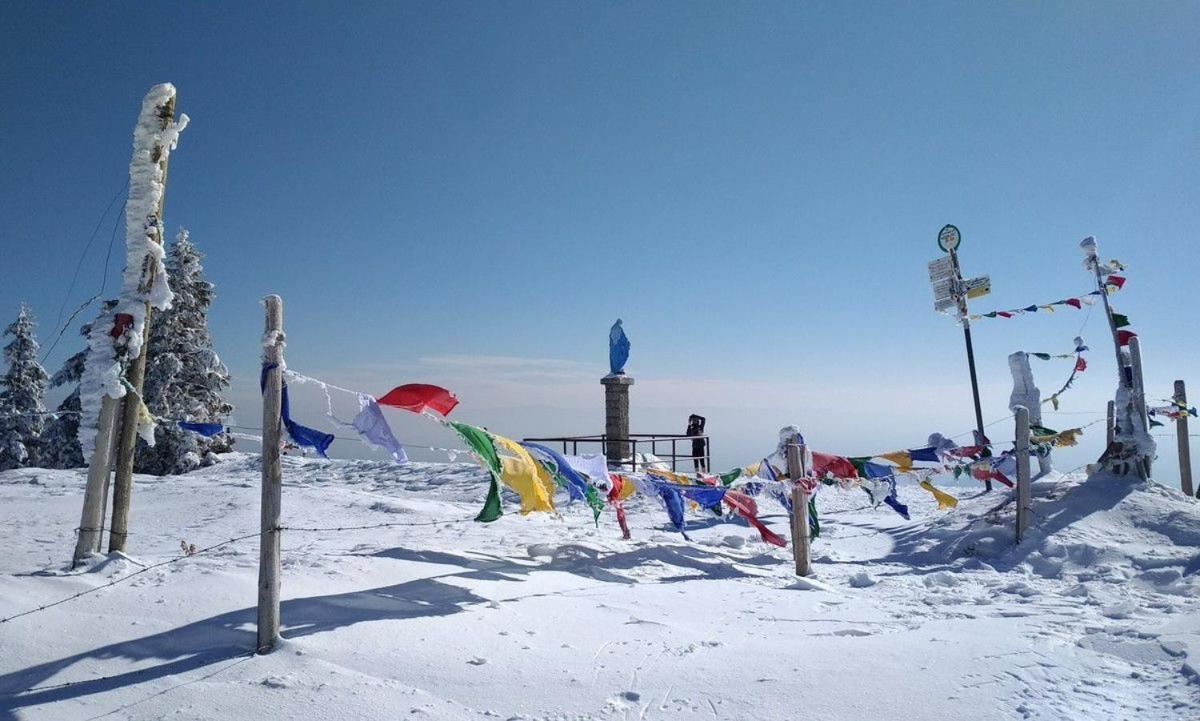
695, 427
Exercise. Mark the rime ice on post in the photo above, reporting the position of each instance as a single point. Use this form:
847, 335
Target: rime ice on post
1025, 393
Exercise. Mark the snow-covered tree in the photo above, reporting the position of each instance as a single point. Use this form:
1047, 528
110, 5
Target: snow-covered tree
22, 395
60, 441
184, 377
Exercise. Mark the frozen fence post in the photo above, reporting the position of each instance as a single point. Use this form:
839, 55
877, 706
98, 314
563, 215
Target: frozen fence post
95, 495
1112, 419
1181, 435
1022, 451
800, 542
1138, 385
272, 477
1026, 393
154, 138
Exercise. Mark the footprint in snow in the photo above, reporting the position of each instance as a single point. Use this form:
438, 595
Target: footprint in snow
477, 661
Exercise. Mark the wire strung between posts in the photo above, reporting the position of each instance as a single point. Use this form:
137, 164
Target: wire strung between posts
126, 577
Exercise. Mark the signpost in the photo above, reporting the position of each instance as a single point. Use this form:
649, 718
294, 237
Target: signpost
951, 291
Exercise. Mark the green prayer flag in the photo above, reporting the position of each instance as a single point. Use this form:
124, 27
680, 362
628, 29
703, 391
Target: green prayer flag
814, 523
1043, 356
858, 467
1154, 423
729, 477
1120, 321
596, 502
491, 507
480, 444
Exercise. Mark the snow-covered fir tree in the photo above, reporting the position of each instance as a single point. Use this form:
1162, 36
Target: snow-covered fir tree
184, 377
60, 441
22, 395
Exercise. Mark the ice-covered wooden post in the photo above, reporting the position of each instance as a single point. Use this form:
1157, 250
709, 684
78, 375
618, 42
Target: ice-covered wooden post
800, 541
272, 476
1112, 420
1021, 441
1145, 455
144, 285
1181, 437
1026, 393
95, 495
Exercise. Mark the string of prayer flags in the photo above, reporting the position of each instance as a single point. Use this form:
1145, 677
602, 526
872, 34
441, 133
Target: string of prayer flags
1080, 366
419, 397
1114, 283
208, 430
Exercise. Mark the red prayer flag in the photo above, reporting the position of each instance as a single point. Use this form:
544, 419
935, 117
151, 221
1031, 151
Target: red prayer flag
1074, 303
1115, 280
1004, 314
416, 397
1124, 336
121, 324
744, 506
836, 466
1080, 365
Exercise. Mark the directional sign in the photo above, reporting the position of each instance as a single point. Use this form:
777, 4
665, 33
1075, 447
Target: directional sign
941, 269
943, 295
949, 238
977, 287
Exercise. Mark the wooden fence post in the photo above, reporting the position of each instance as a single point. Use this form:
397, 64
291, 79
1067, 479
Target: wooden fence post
1139, 400
272, 477
135, 374
1022, 453
1112, 419
1185, 445
800, 541
95, 495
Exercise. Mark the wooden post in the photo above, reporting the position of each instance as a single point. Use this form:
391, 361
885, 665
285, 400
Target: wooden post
1139, 400
272, 477
95, 495
800, 541
1185, 446
1022, 452
1112, 420
135, 374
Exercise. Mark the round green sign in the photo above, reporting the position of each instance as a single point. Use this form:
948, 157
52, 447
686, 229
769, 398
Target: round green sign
949, 238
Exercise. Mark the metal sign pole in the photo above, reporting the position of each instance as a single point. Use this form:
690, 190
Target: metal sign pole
949, 239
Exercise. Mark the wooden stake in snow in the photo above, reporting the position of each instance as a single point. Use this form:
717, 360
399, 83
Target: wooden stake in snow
272, 477
95, 496
1181, 436
1112, 419
1138, 386
150, 227
1023, 490
800, 541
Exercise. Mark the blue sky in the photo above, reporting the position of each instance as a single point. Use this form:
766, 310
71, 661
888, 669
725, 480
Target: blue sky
470, 193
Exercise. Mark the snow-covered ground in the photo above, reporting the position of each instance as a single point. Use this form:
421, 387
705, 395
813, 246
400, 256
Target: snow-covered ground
542, 617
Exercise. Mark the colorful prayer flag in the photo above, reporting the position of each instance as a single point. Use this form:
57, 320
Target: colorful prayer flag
417, 397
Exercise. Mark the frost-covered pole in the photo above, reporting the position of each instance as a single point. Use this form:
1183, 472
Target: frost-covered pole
95, 495
800, 541
1182, 438
1092, 262
1026, 393
1021, 443
144, 285
1145, 449
272, 476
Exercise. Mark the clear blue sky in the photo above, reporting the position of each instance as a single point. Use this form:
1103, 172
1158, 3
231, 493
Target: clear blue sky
438, 189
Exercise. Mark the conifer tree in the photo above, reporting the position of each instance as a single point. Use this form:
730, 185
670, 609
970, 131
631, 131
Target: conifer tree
22, 395
185, 379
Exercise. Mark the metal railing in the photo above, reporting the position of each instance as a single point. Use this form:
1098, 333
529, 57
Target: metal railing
644, 443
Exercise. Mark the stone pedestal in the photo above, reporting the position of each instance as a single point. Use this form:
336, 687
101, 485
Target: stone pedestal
616, 415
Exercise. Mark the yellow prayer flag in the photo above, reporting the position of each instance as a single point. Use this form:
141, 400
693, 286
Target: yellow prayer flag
902, 459
525, 476
944, 500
